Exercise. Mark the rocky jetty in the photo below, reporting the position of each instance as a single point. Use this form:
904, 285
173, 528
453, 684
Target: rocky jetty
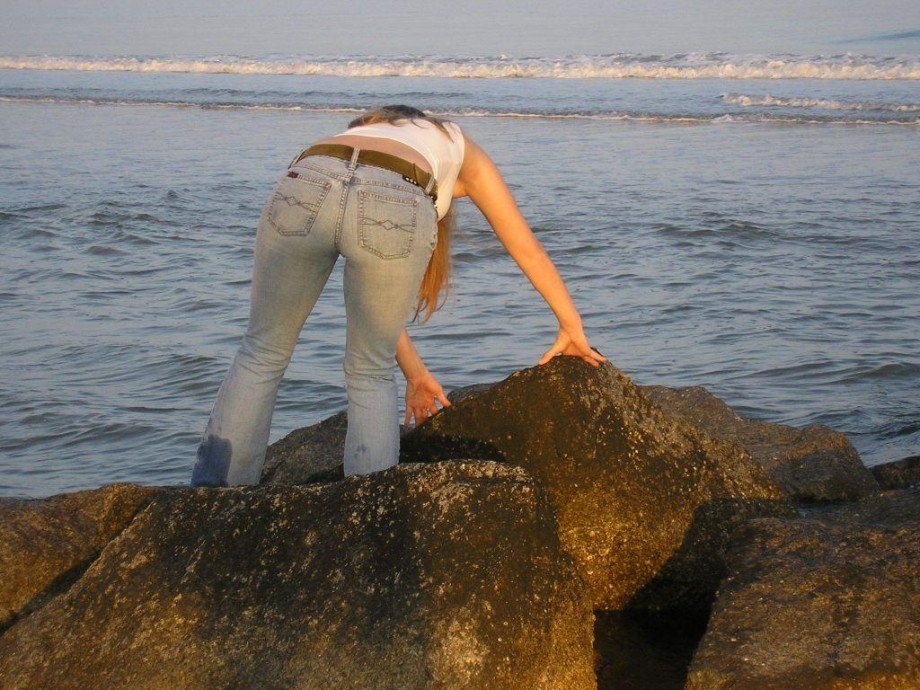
441, 576
560, 529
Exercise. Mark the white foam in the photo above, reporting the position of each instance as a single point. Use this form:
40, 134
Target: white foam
754, 117
818, 103
619, 66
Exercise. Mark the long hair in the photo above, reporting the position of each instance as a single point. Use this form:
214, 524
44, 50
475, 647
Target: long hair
436, 281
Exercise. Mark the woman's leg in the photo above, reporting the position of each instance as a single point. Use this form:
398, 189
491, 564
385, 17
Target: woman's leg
387, 239
293, 259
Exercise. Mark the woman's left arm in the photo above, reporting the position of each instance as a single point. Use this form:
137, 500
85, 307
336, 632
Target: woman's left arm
481, 180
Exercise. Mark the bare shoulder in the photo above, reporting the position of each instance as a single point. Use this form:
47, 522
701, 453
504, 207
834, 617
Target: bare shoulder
476, 170
472, 154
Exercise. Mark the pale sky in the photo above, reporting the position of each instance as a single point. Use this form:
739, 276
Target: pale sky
517, 28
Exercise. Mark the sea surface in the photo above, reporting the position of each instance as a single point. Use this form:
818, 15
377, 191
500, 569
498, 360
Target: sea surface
747, 223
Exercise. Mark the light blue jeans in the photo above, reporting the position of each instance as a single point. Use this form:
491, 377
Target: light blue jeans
386, 229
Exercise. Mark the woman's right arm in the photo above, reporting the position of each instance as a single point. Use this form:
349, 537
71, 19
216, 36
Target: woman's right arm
482, 182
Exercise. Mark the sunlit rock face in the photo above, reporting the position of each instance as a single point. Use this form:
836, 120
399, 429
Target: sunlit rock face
429, 576
46, 544
645, 501
829, 602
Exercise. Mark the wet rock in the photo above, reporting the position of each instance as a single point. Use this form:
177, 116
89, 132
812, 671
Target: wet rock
440, 576
308, 456
825, 603
900, 474
811, 464
645, 502
45, 544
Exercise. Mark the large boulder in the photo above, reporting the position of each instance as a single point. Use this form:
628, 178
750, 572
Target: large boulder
827, 603
441, 576
46, 544
812, 464
645, 501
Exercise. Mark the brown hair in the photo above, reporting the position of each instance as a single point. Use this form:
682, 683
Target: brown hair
436, 281
398, 115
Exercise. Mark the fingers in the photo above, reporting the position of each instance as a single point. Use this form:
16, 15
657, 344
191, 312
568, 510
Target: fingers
550, 353
593, 357
422, 411
422, 398
579, 348
597, 356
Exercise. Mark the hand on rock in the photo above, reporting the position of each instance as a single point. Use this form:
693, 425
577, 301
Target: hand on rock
422, 395
573, 344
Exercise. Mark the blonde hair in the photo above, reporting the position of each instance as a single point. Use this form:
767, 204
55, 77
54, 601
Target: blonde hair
436, 281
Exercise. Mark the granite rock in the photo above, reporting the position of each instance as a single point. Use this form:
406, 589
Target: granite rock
645, 501
900, 474
309, 455
45, 544
826, 603
812, 464
440, 576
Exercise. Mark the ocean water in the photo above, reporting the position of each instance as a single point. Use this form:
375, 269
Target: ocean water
743, 222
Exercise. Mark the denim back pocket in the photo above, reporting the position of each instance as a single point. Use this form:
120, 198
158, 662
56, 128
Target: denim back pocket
386, 224
295, 203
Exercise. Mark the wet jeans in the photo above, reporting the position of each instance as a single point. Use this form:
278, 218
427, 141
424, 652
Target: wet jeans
386, 229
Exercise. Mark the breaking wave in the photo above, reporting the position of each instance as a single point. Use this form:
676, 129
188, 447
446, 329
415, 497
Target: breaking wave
818, 103
614, 66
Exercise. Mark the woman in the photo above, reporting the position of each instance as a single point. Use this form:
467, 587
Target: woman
378, 194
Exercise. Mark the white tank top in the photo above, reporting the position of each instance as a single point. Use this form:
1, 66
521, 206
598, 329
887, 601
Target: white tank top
444, 155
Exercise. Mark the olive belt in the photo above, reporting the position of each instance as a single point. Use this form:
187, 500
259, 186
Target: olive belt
410, 172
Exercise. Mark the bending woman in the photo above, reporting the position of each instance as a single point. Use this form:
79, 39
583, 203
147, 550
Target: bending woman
379, 195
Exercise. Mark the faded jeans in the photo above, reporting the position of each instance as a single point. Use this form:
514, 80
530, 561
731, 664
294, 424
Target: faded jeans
386, 229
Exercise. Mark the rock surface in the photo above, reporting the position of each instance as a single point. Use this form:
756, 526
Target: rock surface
440, 576
308, 456
46, 544
645, 502
900, 474
811, 464
826, 603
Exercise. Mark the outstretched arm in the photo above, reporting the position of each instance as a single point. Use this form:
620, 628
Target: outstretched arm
481, 180
422, 389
